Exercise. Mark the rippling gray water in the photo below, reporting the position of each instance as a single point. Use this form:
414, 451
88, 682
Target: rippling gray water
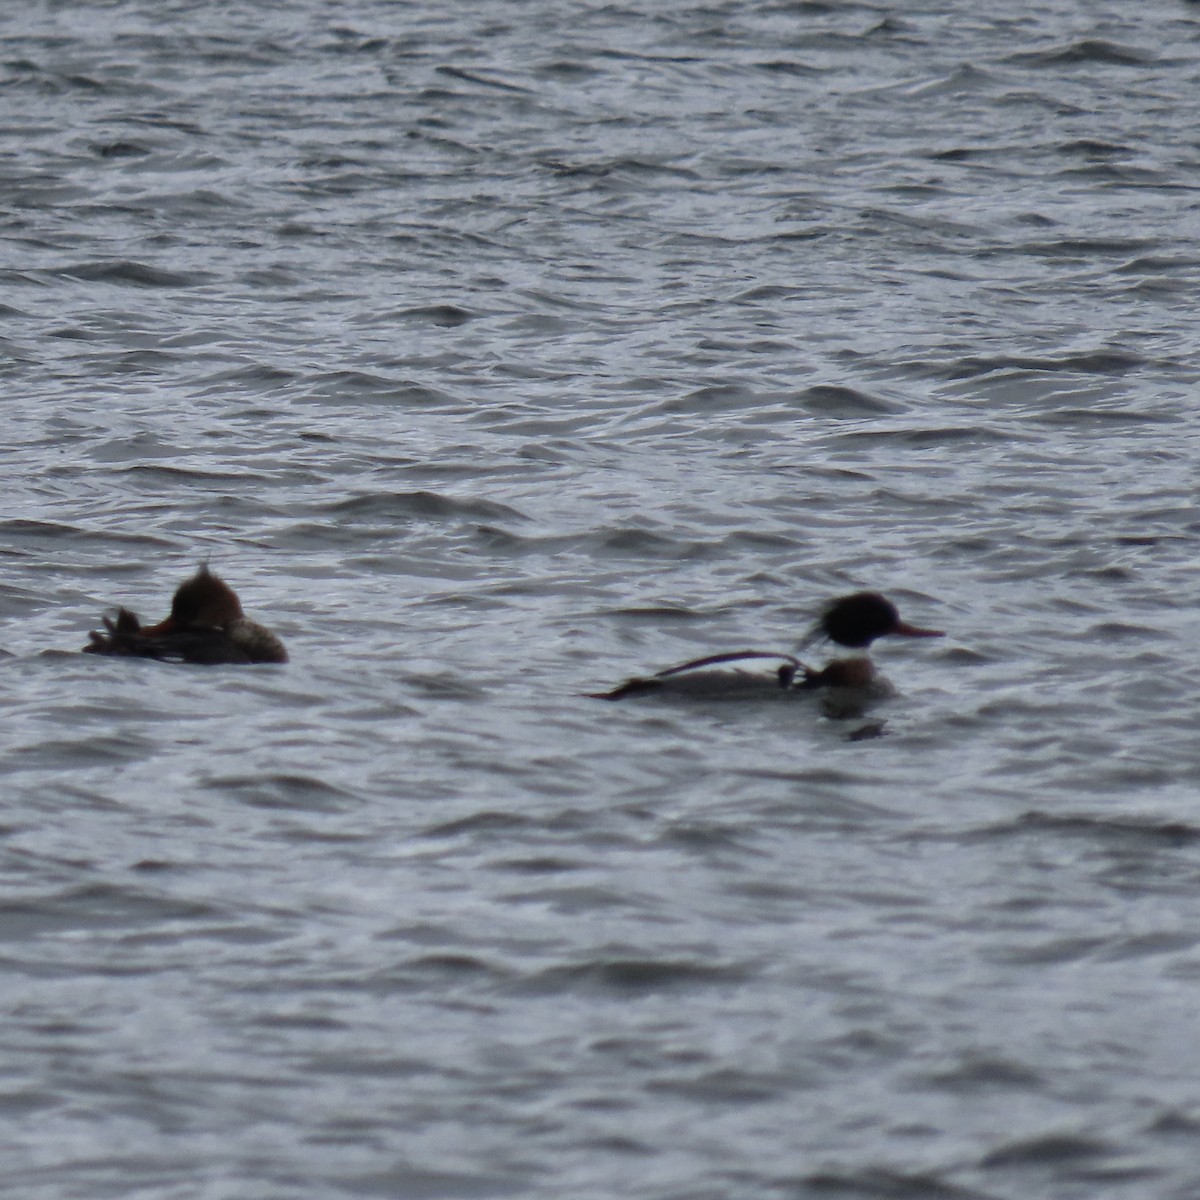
495, 352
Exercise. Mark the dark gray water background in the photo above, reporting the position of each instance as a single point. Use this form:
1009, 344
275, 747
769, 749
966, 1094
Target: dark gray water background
492, 352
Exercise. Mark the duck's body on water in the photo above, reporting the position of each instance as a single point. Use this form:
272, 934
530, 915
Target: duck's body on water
853, 621
206, 625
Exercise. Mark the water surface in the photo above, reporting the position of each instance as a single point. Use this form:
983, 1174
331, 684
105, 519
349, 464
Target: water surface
492, 356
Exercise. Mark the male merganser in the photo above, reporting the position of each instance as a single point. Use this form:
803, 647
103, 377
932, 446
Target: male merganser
206, 625
853, 621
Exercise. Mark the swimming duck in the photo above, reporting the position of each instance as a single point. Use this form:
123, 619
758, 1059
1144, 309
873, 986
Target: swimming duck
206, 625
853, 621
